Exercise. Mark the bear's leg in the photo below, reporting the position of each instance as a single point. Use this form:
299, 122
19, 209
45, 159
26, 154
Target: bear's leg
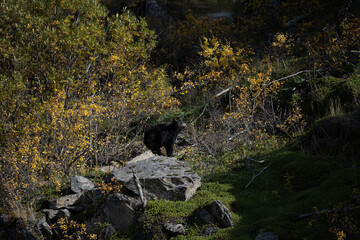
156, 151
169, 149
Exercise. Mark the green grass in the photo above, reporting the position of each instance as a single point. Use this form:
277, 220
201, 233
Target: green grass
266, 204
293, 184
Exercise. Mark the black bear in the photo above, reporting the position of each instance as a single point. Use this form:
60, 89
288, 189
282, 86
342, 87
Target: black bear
162, 135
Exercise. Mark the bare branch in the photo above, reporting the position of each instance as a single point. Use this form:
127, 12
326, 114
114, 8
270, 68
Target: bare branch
217, 95
255, 175
253, 160
339, 210
223, 91
200, 113
292, 75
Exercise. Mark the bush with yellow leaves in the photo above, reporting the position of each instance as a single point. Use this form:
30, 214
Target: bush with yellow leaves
71, 230
241, 106
75, 85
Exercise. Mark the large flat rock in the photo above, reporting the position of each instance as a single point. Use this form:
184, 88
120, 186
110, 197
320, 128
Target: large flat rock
160, 178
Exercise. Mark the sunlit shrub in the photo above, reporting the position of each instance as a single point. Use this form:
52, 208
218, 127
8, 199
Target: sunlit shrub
71, 230
67, 69
241, 107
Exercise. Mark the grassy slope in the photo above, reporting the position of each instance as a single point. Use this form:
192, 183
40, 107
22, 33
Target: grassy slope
271, 202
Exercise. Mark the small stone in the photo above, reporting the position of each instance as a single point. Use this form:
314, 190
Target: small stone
119, 210
221, 213
210, 229
65, 201
80, 183
174, 228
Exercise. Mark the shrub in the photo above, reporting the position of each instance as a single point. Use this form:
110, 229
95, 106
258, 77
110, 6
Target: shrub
328, 91
67, 68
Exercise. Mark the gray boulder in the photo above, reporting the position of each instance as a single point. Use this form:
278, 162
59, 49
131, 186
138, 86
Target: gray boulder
221, 213
80, 183
160, 177
64, 201
74, 202
174, 228
118, 210
88, 197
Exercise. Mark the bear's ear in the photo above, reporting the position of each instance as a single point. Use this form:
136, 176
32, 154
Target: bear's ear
174, 123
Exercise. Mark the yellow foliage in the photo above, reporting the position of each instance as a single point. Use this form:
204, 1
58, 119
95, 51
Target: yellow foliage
71, 230
112, 187
66, 77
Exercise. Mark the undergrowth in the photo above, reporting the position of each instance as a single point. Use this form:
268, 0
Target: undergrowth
293, 184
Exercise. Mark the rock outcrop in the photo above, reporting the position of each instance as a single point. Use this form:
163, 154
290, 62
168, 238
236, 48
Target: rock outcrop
80, 183
160, 177
214, 215
118, 210
64, 201
221, 213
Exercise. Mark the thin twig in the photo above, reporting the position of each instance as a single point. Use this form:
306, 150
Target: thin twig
255, 175
201, 113
215, 96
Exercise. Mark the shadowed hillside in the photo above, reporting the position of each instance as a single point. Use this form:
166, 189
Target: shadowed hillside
268, 92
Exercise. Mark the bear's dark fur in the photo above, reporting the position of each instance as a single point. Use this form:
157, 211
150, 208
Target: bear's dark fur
162, 135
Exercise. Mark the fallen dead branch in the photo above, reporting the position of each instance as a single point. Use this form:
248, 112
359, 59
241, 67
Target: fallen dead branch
292, 75
255, 175
339, 210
